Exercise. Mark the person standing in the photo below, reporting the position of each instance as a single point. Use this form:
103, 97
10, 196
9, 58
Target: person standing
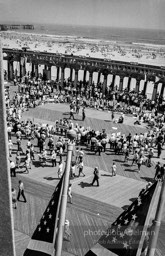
70, 193
162, 171
114, 169
96, 176
112, 115
12, 169
81, 167
10, 145
18, 160
83, 114
21, 191
67, 232
158, 171
53, 156
135, 157
139, 163
60, 169
72, 171
14, 198
71, 114
159, 148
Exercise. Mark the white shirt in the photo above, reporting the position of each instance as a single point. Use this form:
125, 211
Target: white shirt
12, 165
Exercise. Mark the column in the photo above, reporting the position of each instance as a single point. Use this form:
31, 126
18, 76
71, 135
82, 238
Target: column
121, 83
162, 90
137, 85
49, 73
154, 92
33, 70
98, 78
36, 70
129, 83
62, 77
76, 78
145, 88
90, 78
105, 84
84, 78
71, 74
22, 71
113, 82
10, 70
58, 72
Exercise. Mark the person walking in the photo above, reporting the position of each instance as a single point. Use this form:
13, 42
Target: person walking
14, 198
21, 191
96, 176
70, 193
114, 169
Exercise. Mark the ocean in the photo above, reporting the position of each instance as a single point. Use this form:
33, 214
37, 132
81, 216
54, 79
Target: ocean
128, 35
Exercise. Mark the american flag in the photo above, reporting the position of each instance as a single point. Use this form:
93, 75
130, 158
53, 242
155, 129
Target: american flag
41, 243
123, 237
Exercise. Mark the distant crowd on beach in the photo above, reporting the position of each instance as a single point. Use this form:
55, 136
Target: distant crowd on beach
99, 49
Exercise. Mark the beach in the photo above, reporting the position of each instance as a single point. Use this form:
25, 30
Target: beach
143, 53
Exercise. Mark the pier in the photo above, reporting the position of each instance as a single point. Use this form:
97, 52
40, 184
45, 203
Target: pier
4, 27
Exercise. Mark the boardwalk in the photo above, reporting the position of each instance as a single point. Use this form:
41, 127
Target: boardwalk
94, 207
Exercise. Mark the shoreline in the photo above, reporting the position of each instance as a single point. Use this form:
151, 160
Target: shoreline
82, 39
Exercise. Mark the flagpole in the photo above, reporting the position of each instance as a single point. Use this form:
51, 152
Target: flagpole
144, 232
157, 222
62, 213
57, 217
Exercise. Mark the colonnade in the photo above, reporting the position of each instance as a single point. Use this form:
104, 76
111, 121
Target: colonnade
60, 76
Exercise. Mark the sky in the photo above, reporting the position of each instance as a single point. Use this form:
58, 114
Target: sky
111, 13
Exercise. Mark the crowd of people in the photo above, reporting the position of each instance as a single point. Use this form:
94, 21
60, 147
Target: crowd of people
46, 144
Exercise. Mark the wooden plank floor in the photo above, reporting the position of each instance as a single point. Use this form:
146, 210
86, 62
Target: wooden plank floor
21, 242
112, 190
86, 223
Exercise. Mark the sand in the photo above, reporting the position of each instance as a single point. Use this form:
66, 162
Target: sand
111, 50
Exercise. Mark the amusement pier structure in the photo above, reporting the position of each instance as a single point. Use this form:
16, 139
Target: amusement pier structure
102, 66
4, 27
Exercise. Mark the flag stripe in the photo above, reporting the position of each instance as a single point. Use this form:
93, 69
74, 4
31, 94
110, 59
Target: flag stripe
90, 253
35, 253
41, 246
98, 250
